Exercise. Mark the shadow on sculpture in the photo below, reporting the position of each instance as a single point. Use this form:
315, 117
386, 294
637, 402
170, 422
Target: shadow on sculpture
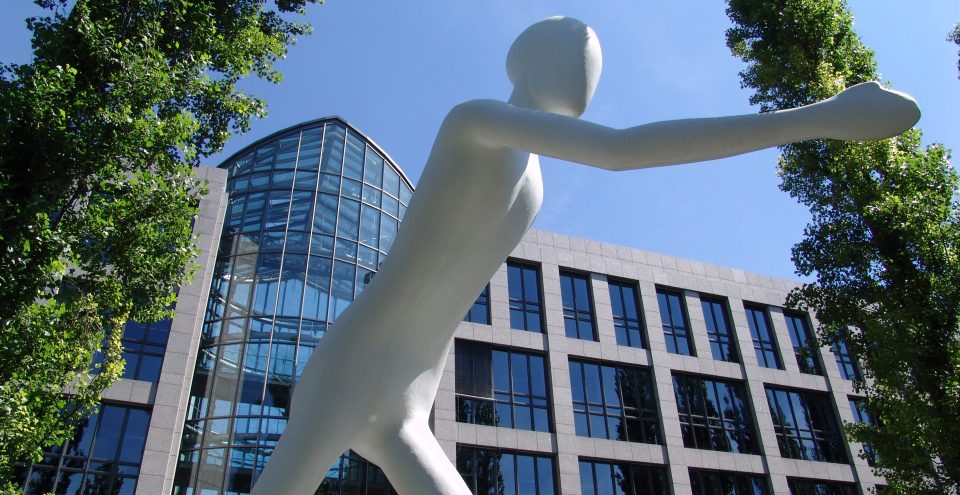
372, 380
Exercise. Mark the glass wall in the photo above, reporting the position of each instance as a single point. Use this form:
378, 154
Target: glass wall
312, 213
102, 457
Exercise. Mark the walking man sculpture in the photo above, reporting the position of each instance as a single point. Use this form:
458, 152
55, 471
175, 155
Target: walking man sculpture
371, 382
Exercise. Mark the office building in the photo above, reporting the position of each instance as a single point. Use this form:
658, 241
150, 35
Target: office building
583, 367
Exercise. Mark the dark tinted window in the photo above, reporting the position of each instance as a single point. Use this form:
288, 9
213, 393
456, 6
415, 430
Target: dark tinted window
860, 415
613, 402
577, 306
504, 472
602, 478
719, 330
627, 322
480, 311
705, 482
762, 333
715, 415
676, 327
806, 426
103, 456
523, 282
817, 487
499, 387
804, 344
845, 362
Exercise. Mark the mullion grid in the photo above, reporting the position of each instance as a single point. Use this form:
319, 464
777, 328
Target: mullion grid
135, 349
819, 487
529, 312
644, 414
861, 416
233, 418
676, 325
719, 330
709, 482
261, 214
511, 398
352, 474
515, 400
62, 467
629, 330
819, 440
845, 362
718, 426
494, 471
764, 343
578, 318
632, 479
479, 312
804, 345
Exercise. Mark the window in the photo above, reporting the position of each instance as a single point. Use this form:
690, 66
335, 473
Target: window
499, 387
577, 306
714, 415
860, 416
102, 457
804, 345
350, 474
806, 426
845, 362
627, 322
602, 478
143, 348
719, 330
503, 472
480, 311
526, 310
762, 332
676, 330
613, 402
817, 487
705, 482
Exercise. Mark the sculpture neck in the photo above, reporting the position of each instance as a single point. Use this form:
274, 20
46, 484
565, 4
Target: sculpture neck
521, 98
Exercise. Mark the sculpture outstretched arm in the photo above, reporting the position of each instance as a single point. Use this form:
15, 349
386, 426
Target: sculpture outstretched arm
862, 112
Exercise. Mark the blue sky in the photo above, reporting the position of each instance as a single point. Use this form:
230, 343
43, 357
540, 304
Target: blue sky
394, 69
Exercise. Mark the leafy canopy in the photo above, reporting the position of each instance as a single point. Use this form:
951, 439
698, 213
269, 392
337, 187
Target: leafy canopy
883, 242
98, 137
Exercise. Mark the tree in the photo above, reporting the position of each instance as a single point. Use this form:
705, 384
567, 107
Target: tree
882, 243
98, 137
954, 36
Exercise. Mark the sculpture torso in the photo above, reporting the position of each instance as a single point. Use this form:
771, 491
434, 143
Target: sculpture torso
470, 210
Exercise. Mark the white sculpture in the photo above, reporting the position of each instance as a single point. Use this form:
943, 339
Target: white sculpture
371, 382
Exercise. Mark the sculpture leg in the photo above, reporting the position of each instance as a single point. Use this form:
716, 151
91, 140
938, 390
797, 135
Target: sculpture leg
414, 462
304, 454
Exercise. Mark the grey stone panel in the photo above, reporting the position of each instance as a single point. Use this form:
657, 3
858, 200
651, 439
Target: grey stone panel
554, 251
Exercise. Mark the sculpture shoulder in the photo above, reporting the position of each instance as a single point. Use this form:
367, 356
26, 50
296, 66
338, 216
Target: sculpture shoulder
476, 112
476, 121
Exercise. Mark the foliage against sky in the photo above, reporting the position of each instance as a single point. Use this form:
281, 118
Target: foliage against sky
98, 137
883, 245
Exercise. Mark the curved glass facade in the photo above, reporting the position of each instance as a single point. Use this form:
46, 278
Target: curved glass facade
312, 212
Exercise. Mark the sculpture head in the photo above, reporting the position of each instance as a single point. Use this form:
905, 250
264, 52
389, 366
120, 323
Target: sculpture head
554, 66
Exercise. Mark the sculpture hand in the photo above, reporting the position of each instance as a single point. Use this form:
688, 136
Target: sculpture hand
868, 111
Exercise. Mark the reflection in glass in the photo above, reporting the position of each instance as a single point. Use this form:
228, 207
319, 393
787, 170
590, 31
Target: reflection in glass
714, 415
673, 317
627, 323
613, 402
763, 343
603, 478
502, 472
577, 306
505, 388
523, 284
304, 213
